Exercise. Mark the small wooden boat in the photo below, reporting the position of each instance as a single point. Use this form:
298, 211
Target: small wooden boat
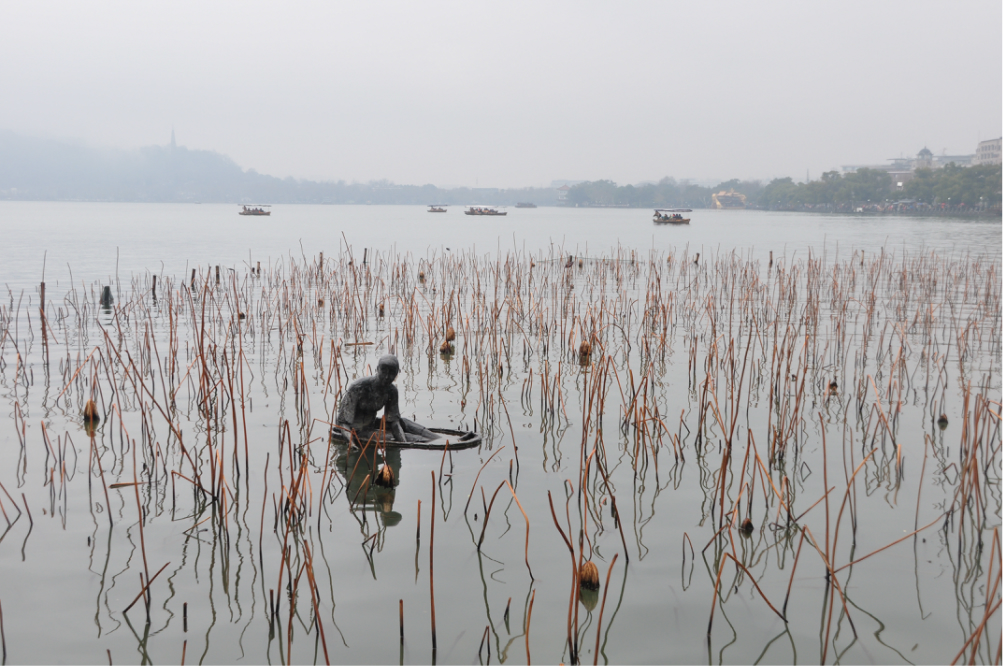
671, 216
257, 209
436, 209
483, 210
457, 439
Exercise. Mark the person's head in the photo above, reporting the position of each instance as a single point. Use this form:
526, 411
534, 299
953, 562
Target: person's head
387, 368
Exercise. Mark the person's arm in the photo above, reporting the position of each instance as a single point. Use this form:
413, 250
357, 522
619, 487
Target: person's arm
391, 412
346, 408
391, 409
395, 431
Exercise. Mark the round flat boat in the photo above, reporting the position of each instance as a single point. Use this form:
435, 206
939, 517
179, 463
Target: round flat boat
456, 439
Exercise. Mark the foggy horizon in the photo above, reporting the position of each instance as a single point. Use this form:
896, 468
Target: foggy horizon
512, 96
678, 177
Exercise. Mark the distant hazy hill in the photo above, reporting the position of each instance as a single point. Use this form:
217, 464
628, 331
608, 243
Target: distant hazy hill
49, 170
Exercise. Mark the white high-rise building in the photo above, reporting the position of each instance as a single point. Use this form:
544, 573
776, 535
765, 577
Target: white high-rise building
989, 152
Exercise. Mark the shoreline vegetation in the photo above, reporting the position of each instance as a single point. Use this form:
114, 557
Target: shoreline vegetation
952, 190
49, 170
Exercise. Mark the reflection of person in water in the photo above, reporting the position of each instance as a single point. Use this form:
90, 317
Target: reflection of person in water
355, 465
366, 396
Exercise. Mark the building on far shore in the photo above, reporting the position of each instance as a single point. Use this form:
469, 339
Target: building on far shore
989, 152
902, 169
728, 200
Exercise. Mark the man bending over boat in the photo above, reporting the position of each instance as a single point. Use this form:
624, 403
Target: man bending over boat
366, 396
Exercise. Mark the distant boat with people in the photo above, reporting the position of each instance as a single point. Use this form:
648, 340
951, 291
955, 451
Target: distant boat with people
255, 209
436, 209
484, 210
671, 216
524, 204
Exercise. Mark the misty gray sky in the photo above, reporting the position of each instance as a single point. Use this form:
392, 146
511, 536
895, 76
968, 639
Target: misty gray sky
511, 94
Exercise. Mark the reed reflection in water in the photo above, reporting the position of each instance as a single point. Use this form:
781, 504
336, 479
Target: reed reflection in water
742, 453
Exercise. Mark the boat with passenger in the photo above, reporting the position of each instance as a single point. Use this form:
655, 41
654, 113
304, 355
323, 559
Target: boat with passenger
437, 208
255, 209
484, 210
671, 216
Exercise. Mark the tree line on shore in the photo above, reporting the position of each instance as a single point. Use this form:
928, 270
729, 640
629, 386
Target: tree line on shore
37, 169
951, 188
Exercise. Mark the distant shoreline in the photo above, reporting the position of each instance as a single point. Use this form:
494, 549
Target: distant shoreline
46, 170
842, 212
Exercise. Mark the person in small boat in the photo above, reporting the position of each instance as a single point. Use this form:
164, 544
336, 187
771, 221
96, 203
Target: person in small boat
366, 396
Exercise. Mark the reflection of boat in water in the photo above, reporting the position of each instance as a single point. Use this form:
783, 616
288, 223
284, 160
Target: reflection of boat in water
671, 216
728, 199
436, 209
523, 204
372, 473
256, 209
457, 439
483, 210
359, 470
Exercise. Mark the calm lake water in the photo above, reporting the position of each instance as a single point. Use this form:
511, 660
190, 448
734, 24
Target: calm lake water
902, 314
95, 239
